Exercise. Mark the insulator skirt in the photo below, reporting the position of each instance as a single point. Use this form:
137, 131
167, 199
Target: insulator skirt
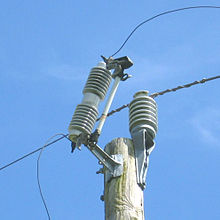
98, 82
143, 113
84, 118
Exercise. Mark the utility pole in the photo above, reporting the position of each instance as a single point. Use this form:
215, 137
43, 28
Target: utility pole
124, 161
122, 195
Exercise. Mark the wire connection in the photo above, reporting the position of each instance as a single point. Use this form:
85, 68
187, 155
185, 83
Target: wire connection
118, 110
161, 14
38, 172
167, 91
27, 155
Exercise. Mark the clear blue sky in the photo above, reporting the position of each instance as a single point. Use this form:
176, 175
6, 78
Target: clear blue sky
47, 49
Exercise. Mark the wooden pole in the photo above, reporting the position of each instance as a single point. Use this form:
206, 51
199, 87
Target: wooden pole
123, 197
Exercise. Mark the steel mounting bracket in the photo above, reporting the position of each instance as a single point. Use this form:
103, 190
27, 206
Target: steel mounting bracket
143, 146
113, 163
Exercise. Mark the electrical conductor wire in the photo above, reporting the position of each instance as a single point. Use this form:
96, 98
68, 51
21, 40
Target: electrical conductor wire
118, 110
188, 85
161, 14
27, 155
38, 172
129, 36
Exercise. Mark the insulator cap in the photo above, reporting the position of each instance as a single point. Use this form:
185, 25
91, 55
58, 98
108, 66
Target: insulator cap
98, 81
143, 113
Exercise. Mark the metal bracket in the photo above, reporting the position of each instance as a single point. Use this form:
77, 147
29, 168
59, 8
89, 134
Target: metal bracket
119, 65
118, 170
113, 163
143, 146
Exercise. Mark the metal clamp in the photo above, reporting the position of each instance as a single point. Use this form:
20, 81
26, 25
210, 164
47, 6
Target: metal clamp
113, 163
119, 65
143, 146
143, 126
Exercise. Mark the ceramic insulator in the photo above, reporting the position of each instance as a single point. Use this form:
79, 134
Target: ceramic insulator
143, 113
86, 113
98, 82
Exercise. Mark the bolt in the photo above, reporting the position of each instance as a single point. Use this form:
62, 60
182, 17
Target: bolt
100, 171
102, 198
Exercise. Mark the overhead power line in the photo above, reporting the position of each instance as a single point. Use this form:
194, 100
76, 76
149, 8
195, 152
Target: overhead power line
153, 95
29, 154
38, 168
167, 91
38, 164
184, 86
161, 14
118, 110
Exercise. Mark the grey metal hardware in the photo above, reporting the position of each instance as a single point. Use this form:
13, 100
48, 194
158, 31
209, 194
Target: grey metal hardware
117, 170
143, 147
124, 62
108, 104
143, 127
113, 163
101, 170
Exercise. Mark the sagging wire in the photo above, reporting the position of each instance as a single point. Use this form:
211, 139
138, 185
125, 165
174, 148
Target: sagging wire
35, 151
161, 14
118, 110
126, 105
38, 170
38, 163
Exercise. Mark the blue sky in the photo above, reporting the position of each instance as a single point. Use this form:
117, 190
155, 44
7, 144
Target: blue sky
47, 49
